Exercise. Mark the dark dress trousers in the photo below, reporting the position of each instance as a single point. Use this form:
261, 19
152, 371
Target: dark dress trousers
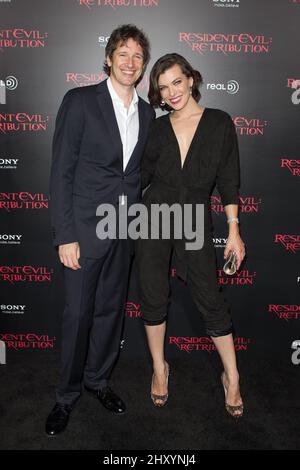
212, 159
87, 170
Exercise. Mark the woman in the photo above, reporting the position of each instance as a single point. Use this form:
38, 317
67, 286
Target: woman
188, 151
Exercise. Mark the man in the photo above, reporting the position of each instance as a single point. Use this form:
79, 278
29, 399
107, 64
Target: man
98, 143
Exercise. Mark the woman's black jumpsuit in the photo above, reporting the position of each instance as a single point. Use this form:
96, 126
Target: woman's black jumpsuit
212, 159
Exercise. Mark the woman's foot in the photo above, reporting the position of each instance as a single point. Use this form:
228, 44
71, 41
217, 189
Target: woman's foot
233, 400
159, 385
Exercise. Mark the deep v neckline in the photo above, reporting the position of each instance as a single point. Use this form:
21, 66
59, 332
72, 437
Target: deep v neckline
182, 165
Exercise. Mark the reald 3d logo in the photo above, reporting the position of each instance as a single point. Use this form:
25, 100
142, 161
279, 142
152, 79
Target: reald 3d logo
9, 83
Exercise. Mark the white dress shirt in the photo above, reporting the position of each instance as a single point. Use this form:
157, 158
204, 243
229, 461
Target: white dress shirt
128, 121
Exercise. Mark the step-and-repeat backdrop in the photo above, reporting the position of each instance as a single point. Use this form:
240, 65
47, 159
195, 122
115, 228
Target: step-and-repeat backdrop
248, 54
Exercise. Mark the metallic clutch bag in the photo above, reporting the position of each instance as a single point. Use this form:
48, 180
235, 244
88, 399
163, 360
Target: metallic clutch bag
230, 264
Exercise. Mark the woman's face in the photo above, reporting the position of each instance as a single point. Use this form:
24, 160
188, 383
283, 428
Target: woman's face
175, 87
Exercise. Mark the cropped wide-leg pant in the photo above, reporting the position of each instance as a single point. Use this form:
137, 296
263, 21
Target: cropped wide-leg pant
153, 261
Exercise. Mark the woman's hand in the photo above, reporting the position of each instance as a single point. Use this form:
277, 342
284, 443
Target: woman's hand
236, 244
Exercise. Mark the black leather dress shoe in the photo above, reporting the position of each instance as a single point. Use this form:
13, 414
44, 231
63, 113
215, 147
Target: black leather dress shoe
109, 399
58, 419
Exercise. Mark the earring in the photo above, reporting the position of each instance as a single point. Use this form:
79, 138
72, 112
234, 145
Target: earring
191, 90
162, 103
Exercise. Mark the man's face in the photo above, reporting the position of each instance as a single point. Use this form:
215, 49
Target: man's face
126, 64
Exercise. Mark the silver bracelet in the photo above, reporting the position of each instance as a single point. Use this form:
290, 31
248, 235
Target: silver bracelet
233, 219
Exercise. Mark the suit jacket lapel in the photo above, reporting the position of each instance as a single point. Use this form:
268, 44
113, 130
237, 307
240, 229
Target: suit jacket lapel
141, 137
108, 113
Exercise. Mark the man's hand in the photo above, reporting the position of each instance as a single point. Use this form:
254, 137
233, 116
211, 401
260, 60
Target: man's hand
69, 255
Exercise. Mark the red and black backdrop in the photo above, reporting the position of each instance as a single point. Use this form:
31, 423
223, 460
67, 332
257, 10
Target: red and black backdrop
247, 52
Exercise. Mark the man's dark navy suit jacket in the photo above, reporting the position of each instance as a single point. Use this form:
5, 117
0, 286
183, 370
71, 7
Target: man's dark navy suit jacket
87, 166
